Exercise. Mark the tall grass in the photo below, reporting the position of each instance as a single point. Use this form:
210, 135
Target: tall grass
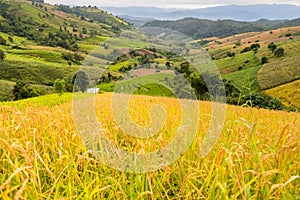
42, 157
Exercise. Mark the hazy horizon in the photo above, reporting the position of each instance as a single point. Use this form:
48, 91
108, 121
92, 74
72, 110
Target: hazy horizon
176, 4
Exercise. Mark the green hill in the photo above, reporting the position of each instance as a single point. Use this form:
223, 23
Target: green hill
201, 28
242, 65
52, 26
294, 22
42, 43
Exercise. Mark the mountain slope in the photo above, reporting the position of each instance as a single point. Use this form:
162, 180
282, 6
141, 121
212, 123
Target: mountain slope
200, 28
234, 12
48, 25
294, 22
42, 43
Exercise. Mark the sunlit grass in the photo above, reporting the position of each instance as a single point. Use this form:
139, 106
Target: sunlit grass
278, 73
288, 94
42, 157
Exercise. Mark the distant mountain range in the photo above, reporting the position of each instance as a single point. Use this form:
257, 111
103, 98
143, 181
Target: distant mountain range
204, 28
233, 12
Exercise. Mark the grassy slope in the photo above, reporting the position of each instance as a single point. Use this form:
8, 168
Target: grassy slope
38, 64
53, 19
34, 72
245, 60
42, 155
144, 85
288, 94
278, 71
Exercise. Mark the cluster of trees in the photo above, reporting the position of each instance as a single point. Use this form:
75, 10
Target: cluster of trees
23, 91
61, 38
207, 86
100, 16
79, 82
72, 57
230, 54
278, 52
38, 1
253, 47
261, 100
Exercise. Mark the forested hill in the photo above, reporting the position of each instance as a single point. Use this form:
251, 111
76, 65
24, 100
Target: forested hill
57, 25
203, 28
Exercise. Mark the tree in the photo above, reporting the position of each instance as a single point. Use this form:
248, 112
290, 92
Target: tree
2, 41
255, 46
246, 49
198, 84
81, 81
2, 55
264, 60
168, 65
185, 68
19, 90
10, 39
279, 52
272, 47
230, 54
23, 91
59, 86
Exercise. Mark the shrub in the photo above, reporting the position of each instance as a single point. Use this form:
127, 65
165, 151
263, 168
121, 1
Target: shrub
272, 47
246, 49
59, 86
279, 52
264, 60
2, 55
255, 46
2, 41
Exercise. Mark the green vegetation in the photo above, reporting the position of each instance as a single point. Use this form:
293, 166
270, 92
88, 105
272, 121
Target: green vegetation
2, 55
279, 72
40, 43
238, 63
6, 90
38, 62
43, 23
59, 86
152, 85
153, 89
34, 72
46, 49
199, 28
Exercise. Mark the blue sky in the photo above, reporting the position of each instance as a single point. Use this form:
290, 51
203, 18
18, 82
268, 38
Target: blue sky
170, 3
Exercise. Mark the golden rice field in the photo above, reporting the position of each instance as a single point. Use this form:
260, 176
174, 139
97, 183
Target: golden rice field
42, 156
